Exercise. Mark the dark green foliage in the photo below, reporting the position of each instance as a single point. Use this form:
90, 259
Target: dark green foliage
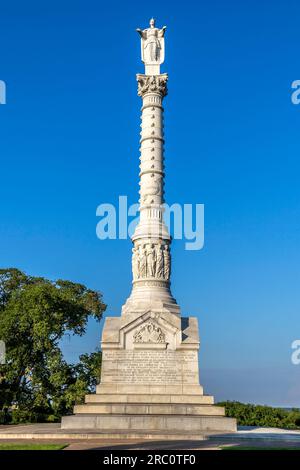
27, 416
35, 314
258, 415
5, 417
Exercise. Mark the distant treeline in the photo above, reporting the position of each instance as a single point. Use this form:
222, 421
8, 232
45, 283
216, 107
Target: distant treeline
258, 415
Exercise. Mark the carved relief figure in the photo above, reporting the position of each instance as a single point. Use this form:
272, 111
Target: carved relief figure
142, 261
159, 262
151, 261
149, 333
135, 263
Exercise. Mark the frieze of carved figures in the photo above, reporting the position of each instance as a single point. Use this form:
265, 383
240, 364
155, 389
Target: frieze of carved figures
149, 333
152, 83
151, 261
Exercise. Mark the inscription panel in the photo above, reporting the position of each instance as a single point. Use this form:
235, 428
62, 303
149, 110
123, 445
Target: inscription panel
150, 367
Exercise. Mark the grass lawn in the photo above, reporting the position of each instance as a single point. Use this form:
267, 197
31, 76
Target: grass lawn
7, 446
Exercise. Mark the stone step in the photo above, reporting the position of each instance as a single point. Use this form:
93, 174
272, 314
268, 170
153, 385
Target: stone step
126, 388
159, 422
150, 409
149, 398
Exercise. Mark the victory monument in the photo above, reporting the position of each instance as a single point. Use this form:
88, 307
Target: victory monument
150, 374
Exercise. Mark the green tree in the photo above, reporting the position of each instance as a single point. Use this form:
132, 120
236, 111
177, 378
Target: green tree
258, 415
35, 314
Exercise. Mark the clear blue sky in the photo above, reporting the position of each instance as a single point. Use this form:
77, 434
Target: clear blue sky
69, 134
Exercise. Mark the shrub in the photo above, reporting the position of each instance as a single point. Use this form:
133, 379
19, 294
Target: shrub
5, 417
27, 416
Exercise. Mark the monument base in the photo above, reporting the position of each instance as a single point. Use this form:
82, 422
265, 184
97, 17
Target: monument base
150, 382
182, 416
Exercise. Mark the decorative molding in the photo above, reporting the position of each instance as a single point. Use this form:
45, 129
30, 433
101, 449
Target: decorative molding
151, 282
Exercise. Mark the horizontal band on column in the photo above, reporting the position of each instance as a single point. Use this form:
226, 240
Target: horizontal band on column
159, 147
153, 105
145, 172
154, 205
149, 157
152, 137
151, 281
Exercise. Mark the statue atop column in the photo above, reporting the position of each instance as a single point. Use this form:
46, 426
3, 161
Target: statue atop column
152, 47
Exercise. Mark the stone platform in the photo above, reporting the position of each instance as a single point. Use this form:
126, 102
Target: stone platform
142, 414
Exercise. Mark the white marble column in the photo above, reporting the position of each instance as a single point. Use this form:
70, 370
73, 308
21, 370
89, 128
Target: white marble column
151, 257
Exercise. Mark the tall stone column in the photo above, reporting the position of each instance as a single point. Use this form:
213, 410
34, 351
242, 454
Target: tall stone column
151, 257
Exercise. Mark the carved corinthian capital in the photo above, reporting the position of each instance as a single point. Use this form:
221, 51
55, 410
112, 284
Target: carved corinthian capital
152, 84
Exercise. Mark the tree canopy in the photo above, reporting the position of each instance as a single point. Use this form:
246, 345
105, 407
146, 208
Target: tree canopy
35, 314
248, 414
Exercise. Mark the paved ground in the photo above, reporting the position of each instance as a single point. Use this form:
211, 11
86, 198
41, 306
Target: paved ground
246, 437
